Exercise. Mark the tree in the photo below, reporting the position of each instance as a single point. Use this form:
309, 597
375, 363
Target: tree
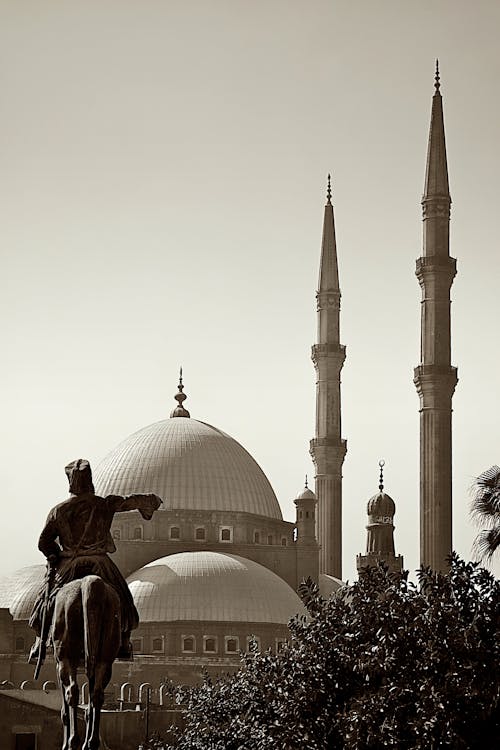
486, 509
384, 663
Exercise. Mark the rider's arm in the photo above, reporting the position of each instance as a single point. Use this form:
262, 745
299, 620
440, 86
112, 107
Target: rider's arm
47, 541
145, 504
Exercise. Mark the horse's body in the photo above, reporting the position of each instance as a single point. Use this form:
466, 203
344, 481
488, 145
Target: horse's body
86, 630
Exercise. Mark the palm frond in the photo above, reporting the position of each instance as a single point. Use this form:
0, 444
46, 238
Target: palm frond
486, 544
485, 504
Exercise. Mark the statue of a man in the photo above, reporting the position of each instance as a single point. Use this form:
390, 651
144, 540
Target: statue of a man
76, 541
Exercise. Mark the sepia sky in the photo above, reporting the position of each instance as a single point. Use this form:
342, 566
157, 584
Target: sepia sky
162, 181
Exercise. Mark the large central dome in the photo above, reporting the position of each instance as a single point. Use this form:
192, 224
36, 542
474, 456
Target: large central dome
191, 466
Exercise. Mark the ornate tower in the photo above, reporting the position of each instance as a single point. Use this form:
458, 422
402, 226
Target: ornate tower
380, 537
435, 378
306, 544
327, 448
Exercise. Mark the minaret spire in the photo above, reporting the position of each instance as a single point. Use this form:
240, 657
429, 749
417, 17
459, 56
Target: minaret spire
327, 448
435, 378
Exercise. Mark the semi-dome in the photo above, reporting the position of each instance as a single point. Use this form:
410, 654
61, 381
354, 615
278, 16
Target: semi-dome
19, 591
211, 586
191, 466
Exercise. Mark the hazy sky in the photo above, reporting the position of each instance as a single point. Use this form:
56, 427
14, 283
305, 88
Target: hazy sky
162, 181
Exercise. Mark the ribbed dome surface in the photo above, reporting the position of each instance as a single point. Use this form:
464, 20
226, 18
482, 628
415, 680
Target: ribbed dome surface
381, 504
211, 586
19, 591
190, 465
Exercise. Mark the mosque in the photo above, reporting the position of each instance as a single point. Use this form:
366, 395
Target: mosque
216, 571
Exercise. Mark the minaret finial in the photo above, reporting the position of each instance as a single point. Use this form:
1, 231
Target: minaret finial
437, 83
307, 486
329, 191
381, 463
180, 397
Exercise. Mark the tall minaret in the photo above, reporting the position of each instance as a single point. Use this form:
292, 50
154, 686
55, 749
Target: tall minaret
435, 378
327, 448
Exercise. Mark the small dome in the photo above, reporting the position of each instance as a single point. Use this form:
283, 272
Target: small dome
19, 591
306, 494
211, 586
329, 585
191, 466
381, 504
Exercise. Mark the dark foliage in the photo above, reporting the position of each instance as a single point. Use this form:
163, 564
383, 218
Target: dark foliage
384, 663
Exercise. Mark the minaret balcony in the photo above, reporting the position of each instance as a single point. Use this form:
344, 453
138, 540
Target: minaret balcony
435, 382
436, 207
334, 352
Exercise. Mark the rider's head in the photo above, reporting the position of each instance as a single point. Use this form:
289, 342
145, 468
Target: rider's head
80, 477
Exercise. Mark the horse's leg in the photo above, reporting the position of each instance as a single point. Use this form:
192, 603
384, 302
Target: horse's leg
89, 714
96, 691
64, 718
69, 686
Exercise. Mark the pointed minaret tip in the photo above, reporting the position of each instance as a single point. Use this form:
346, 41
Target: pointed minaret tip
436, 176
329, 192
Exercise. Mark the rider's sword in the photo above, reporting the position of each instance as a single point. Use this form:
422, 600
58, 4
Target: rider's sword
45, 625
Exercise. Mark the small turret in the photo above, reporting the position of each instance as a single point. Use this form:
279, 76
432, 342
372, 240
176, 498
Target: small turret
307, 548
380, 538
306, 516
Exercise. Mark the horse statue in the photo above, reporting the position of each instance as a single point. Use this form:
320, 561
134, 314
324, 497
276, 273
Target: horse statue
86, 629
85, 608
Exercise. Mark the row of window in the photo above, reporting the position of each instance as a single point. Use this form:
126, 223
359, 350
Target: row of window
225, 535
307, 513
210, 644
188, 644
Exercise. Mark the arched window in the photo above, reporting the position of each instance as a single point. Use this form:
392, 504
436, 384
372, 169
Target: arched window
232, 644
175, 532
253, 644
270, 539
256, 537
138, 532
283, 541
137, 645
209, 644
19, 643
226, 534
199, 534
157, 644
280, 644
188, 644
117, 534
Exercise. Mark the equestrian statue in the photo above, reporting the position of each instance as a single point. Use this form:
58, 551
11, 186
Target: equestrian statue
85, 609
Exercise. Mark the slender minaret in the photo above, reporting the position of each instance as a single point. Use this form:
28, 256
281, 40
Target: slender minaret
327, 448
435, 378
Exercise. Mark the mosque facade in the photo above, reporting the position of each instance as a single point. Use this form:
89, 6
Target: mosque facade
216, 571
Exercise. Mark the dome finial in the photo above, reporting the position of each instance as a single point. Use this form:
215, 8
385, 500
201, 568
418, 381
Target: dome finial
381, 463
307, 486
437, 83
180, 397
329, 191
